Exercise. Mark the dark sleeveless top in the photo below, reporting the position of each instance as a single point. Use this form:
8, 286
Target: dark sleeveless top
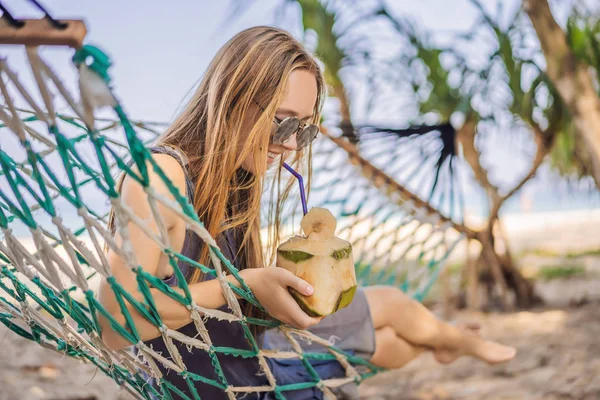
237, 370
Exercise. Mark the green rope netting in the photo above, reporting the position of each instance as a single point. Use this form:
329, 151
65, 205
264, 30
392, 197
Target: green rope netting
57, 181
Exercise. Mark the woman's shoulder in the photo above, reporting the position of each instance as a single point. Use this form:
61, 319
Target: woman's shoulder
163, 149
171, 166
170, 173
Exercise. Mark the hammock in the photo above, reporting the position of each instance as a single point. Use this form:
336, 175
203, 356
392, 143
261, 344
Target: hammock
57, 168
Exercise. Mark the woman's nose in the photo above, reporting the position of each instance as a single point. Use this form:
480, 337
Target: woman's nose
291, 144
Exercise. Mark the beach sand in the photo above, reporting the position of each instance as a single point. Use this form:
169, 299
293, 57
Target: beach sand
559, 351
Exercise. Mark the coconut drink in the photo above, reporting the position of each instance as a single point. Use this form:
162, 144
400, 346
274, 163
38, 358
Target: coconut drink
323, 260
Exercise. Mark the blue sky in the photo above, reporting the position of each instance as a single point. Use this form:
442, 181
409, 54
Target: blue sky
161, 48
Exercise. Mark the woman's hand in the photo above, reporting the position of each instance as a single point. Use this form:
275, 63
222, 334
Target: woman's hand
270, 286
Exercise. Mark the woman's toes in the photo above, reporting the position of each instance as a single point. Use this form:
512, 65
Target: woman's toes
495, 353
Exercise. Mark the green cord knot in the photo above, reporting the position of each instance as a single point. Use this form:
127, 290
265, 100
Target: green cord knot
95, 59
62, 345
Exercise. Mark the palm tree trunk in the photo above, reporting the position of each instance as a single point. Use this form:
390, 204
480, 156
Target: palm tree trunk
570, 76
346, 124
497, 268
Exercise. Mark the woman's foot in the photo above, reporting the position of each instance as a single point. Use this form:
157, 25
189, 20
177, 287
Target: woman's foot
475, 346
493, 352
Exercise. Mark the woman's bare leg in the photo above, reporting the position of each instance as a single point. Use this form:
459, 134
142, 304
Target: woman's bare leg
392, 351
415, 324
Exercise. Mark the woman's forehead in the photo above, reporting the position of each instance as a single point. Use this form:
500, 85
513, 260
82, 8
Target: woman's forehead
301, 95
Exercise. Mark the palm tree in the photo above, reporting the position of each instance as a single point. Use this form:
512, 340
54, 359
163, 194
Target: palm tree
532, 106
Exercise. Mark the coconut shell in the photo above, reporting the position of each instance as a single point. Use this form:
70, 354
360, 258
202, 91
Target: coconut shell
326, 263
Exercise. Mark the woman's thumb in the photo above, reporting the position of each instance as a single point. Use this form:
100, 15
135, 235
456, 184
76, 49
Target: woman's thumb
299, 284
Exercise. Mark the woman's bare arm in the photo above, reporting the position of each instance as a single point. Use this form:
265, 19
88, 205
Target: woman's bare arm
148, 254
270, 283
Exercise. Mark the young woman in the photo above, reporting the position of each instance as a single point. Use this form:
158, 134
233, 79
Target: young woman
256, 106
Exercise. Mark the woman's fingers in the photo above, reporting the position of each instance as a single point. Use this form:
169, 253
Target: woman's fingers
297, 317
294, 315
291, 280
271, 286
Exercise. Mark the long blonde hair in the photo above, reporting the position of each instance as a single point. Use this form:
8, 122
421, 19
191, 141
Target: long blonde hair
250, 69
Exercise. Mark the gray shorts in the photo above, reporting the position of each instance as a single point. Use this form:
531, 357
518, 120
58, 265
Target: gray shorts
349, 329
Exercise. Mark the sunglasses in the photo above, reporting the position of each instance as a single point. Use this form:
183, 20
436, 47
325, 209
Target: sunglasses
286, 128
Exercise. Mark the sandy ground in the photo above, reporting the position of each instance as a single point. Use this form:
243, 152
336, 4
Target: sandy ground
558, 345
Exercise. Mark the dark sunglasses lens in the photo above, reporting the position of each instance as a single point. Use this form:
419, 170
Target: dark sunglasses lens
307, 135
286, 129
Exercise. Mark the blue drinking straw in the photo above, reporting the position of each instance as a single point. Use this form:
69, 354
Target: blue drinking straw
301, 183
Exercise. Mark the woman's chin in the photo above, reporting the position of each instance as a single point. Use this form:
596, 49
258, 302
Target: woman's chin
272, 161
